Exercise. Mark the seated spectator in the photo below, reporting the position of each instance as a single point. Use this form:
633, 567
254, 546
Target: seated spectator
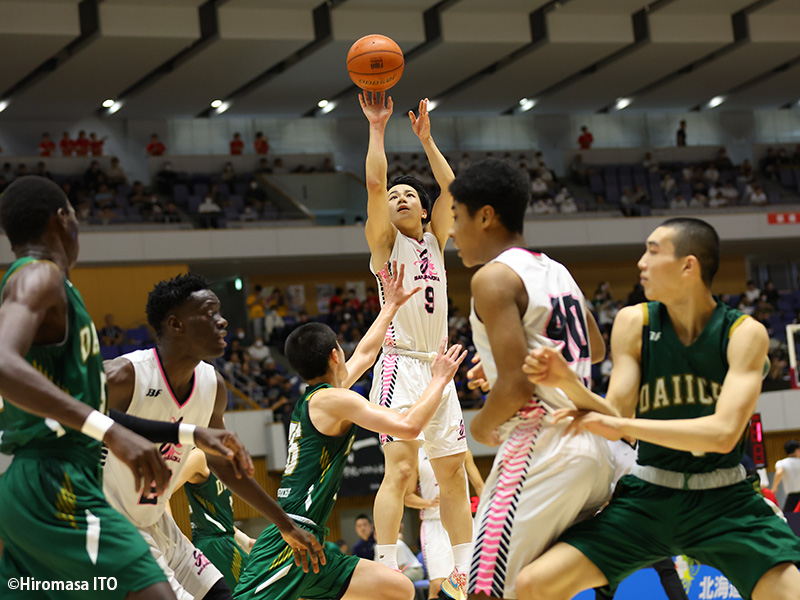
758, 197
165, 179
577, 170
218, 197
47, 147
711, 174
640, 197
254, 196
562, 195
522, 163
209, 212
678, 202
540, 207
626, 204
771, 294
539, 187
116, 175
96, 144
237, 145
568, 206
249, 213
746, 171
650, 164
107, 215
278, 168
93, 176
41, 170
137, 194
259, 351
723, 163
669, 186
769, 164
599, 203
698, 201
104, 198
261, 144
372, 303
8, 173
111, 334
82, 144
263, 168
730, 193
328, 166
689, 174
717, 201
66, 144
752, 293
22, 170
546, 175
229, 174
83, 211
156, 147
170, 214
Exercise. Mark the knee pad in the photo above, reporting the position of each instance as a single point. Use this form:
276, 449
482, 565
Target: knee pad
219, 591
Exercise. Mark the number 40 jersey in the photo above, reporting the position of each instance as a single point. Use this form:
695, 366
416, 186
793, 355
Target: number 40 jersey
555, 316
421, 323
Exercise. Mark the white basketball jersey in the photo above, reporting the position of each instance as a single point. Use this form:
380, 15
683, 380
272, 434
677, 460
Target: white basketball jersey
153, 399
556, 315
421, 323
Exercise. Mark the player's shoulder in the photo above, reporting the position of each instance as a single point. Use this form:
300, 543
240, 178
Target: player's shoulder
494, 274
745, 331
635, 315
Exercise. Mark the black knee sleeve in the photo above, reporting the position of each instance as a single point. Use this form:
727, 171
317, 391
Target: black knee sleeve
219, 591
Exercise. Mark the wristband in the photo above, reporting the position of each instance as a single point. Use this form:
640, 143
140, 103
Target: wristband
186, 434
96, 425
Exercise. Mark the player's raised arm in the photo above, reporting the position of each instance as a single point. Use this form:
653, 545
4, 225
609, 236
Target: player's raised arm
303, 543
442, 213
379, 230
394, 296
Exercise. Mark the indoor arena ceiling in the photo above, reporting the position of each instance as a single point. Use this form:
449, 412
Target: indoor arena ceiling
171, 58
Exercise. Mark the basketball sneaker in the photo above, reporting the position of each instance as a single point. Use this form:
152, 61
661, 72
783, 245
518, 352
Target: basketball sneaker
455, 586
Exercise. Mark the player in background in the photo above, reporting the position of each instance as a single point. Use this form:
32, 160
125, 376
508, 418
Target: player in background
397, 229
55, 523
787, 470
541, 482
436, 547
690, 368
172, 382
211, 514
321, 435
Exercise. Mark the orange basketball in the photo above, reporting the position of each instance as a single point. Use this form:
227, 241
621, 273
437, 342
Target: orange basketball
375, 63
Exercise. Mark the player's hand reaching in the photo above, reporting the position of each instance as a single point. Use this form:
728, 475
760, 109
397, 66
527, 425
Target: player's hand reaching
140, 455
421, 124
446, 362
377, 107
588, 420
394, 294
476, 377
304, 545
547, 366
228, 445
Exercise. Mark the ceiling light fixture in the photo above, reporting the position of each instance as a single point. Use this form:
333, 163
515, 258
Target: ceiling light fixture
526, 105
216, 104
322, 103
4, 105
327, 108
623, 103
108, 103
432, 104
716, 101
222, 107
114, 107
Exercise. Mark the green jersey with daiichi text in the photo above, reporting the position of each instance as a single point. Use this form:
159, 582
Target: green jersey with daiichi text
684, 382
210, 507
314, 466
74, 365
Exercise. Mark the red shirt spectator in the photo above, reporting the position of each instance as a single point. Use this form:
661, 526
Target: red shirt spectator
82, 144
47, 146
585, 140
96, 144
237, 145
261, 144
155, 147
67, 145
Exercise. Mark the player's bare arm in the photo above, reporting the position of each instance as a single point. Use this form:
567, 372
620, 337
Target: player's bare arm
334, 410
442, 213
34, 312
546, 366
379, 230
394, 295
719, 432
500, 299
303, 543
596, 341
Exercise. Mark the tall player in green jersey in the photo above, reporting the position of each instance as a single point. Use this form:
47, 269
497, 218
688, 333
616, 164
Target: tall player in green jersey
54, 520
320, 438
690, 368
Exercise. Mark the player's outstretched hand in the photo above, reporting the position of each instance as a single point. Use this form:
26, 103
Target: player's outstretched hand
393, 291
377, 107
140, 455
421, 124
588, 420
304, 545
446, 362
228, 445
476, 377
547, 366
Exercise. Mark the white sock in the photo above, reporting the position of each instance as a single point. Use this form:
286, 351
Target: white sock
386, 554
462, 556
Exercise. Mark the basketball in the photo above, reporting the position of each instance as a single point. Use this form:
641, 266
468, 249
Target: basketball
375, 63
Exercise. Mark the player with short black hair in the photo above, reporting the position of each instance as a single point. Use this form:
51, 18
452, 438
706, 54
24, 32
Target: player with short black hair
308, 349
787, 471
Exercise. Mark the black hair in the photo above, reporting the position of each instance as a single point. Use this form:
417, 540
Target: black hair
26, 207
363, 516
308, 349
259, 134
422, 193
168, 295
258, 287
791, 446
493, 182
699, 239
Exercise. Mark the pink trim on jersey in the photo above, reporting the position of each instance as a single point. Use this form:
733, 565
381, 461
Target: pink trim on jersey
388, 379
486, 574
169, 387
536, 254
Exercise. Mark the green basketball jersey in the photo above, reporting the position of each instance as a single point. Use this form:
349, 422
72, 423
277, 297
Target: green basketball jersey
684, 382
74, 365
210, 508
314, 466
